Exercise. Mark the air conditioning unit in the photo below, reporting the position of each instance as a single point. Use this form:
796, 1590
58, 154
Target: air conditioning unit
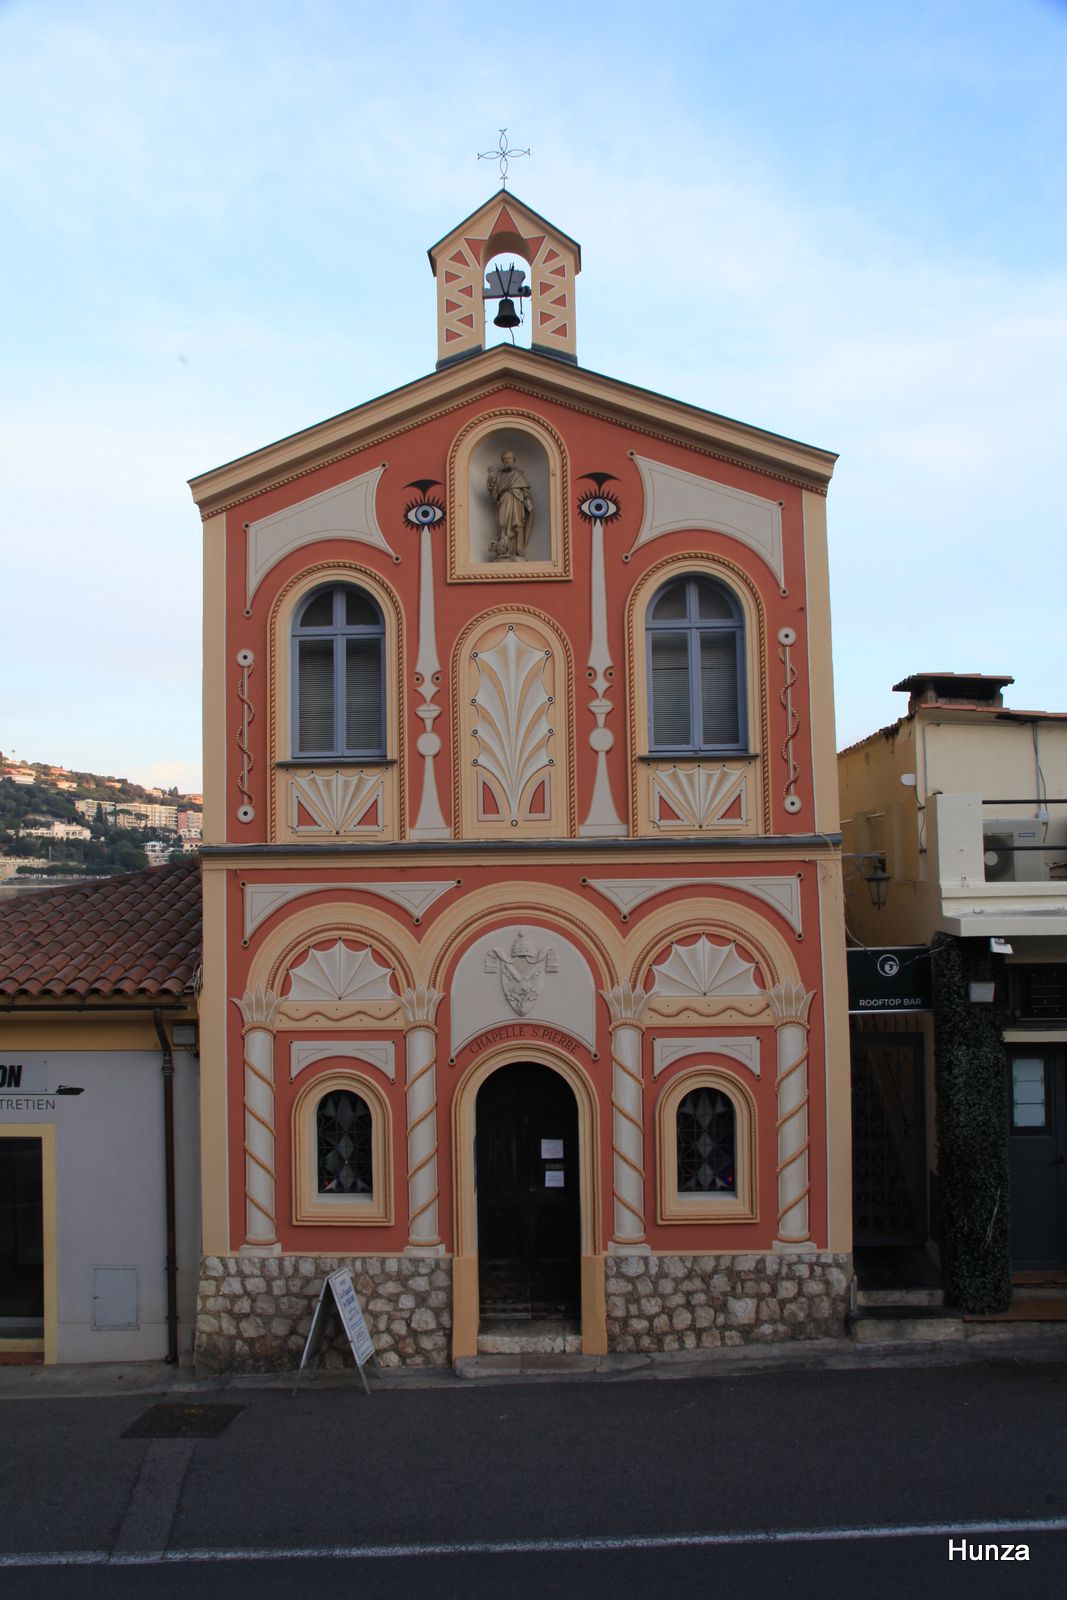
1009, 856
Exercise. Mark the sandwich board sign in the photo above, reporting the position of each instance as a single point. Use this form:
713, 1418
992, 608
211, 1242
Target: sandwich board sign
338, 1293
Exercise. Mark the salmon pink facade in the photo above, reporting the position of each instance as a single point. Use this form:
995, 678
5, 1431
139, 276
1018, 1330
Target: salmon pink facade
523, 980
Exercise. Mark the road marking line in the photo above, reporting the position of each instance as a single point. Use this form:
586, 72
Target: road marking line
153, 1502
508, 1547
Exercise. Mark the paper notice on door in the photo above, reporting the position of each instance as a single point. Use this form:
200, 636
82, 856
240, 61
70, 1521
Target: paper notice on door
551, 1149
554, 1178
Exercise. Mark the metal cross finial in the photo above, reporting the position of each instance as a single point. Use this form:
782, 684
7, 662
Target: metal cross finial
501, 154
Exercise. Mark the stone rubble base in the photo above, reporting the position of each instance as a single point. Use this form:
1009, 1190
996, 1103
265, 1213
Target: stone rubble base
254, 1312
661, 1303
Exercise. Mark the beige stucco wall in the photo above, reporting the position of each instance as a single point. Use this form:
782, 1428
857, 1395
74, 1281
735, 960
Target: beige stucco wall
1006, 763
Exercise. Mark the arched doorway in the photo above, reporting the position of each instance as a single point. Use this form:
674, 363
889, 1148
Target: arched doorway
528, 1195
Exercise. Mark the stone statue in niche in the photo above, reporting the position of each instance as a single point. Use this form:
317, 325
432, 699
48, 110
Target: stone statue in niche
510, 488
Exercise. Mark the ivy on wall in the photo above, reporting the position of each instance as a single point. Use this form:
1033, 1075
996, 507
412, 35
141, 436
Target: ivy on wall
970, 1066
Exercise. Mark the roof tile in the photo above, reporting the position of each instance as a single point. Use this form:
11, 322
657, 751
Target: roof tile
135, 934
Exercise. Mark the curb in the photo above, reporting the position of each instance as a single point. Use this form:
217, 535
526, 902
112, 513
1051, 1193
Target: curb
984, 1343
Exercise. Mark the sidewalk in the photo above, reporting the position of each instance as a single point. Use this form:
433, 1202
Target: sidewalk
1001, 1342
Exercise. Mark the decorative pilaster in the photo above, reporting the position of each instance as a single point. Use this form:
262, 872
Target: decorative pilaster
787, 638
603, 819
627, 1007
790, 1004
246, 811
259, 1014
420, 1010
430, 823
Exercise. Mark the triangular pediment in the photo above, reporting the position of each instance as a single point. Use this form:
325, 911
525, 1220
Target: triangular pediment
503, 213
477, 380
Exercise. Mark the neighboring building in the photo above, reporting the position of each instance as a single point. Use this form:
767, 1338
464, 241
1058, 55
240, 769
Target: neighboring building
524, 979
10, 864
99, 1119
190, 823
964, 802
131, 814
54, 829
144, 814
19, 774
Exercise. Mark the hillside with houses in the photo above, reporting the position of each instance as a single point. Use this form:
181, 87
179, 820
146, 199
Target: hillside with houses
57, 824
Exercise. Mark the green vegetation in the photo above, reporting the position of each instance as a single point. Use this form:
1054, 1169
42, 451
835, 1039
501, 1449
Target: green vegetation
108, 849
972, 1127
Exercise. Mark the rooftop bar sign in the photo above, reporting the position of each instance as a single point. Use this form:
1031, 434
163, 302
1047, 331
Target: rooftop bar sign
889, 980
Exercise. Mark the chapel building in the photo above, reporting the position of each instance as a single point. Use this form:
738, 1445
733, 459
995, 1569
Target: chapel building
523, 987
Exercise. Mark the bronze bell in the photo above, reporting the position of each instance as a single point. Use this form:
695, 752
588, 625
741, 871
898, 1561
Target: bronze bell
507, 316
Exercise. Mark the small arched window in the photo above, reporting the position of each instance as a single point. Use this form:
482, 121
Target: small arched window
342, 1160
706, 1132
696, 669
339, 675
706, 1149
344, 1142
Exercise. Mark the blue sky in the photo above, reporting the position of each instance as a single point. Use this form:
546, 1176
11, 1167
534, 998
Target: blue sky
842, 222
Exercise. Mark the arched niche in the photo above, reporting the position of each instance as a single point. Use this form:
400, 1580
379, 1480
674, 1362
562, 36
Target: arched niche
508, 501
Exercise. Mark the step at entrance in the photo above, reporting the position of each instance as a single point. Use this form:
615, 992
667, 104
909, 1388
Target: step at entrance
547, 1336
899, 1300
868, 1298
906, 1323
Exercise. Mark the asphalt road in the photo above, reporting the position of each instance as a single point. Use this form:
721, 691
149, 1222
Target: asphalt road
773, 1482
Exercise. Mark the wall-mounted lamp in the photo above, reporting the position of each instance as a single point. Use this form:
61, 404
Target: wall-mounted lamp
877, 880
871, 868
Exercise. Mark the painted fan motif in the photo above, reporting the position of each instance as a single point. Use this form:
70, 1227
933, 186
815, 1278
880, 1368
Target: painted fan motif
698, 796
338, 801
340, 974
705, 969
513, 728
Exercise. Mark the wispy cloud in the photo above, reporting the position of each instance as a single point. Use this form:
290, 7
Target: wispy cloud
217, 224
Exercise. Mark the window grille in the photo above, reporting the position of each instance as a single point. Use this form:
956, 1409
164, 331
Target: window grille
344, 1131
1041, 992
706, 1131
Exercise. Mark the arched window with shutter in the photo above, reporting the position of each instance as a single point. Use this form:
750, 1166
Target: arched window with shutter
338, 667
695, 632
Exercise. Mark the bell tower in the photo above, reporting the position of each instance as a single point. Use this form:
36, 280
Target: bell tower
458, 262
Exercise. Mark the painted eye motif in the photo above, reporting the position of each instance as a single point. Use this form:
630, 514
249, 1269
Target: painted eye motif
425, 511
598, 508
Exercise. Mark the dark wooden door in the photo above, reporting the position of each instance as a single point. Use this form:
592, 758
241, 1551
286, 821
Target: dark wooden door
1037, 1151
528, 1198
888, 1140
21, 1238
